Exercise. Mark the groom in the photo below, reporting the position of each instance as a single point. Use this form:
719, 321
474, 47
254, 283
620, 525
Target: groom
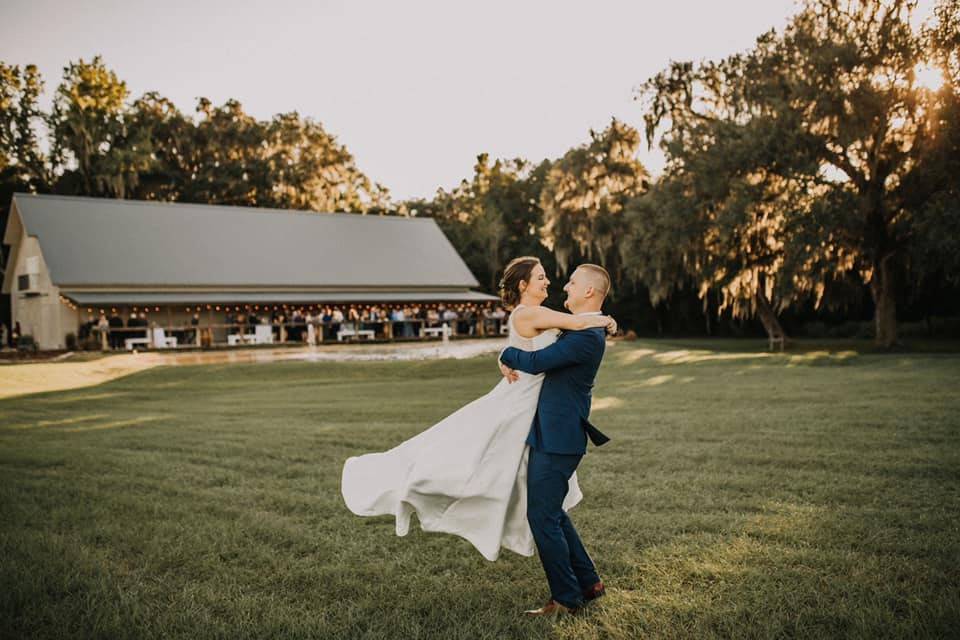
558, 440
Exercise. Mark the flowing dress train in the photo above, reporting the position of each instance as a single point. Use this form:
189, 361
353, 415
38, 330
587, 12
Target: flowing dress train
465, 475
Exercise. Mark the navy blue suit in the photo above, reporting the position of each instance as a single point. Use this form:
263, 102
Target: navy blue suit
561, 423
558, 440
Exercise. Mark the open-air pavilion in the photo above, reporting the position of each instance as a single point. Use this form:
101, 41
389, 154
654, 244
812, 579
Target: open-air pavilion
218, 275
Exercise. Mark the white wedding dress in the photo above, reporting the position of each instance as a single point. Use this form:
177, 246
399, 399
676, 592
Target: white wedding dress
467, 474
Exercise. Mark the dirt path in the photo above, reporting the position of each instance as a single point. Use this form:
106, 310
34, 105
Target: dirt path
23, 379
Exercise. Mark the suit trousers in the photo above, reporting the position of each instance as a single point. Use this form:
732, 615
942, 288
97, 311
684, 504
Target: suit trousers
565, 560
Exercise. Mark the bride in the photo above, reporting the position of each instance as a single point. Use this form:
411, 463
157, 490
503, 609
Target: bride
466, 475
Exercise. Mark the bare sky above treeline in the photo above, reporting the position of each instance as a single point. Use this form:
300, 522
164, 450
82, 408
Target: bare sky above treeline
414, 89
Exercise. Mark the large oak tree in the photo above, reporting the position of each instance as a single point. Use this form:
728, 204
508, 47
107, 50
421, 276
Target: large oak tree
812, 140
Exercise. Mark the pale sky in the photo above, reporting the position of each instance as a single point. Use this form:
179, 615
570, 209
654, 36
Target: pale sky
414, 89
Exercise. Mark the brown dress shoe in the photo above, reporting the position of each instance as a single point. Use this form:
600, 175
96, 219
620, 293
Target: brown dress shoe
594, 592
551, 609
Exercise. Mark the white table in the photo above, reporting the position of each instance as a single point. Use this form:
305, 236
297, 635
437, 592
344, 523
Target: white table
263, 334
436, 332
130, 342
362, 333
161, 341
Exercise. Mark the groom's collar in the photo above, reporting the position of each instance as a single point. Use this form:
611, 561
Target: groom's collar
589, 313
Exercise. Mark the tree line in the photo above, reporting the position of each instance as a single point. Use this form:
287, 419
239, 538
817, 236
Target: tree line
814, 176
821, 164
103, 143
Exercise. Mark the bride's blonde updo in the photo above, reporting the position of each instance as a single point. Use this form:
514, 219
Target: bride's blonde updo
517, 271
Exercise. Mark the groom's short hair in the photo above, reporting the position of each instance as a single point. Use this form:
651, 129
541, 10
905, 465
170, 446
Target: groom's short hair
599, 278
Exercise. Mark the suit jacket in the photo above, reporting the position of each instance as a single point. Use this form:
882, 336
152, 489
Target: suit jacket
560, 424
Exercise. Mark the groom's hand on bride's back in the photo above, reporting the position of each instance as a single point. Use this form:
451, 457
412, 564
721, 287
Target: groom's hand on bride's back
508, 373
612, 326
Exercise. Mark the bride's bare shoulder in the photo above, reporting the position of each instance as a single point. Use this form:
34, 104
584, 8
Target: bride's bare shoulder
529, 315
523, 319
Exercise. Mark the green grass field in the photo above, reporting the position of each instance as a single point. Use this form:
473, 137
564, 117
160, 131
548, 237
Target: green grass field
810, 496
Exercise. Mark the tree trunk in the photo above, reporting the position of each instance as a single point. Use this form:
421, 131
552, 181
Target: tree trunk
883, 290
768, 317
706, 312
